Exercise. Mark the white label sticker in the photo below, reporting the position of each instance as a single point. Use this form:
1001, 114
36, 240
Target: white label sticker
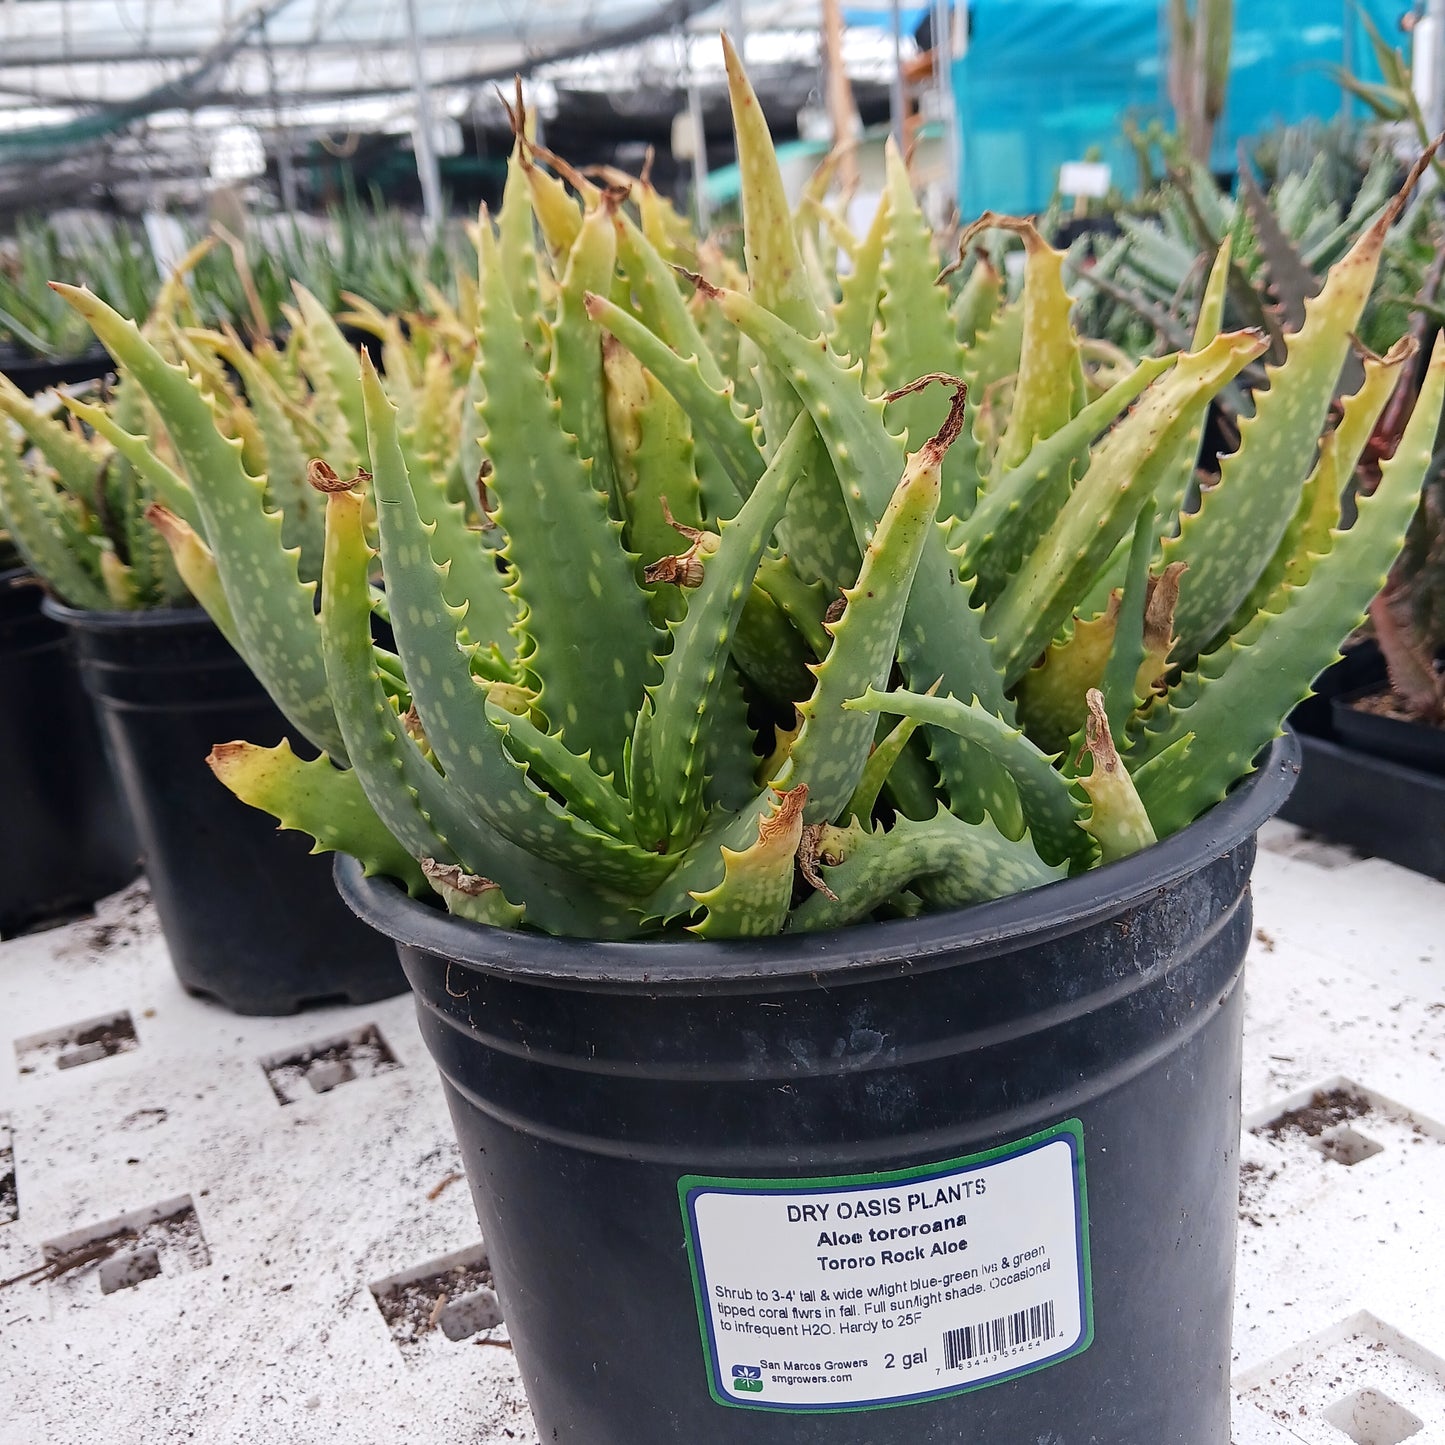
881, 1289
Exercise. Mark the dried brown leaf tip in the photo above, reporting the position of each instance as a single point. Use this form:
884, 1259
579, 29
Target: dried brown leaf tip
452, 876
790, 807
700, 283
693, 534
165, 521
810, 851
322, 476
1097, 737
485, 505
1159, 607
411, 721
685, 569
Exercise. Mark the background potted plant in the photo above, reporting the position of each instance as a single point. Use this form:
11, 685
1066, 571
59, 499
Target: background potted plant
1370, 737
166, 682
949, 1100
68, 839
1374, 736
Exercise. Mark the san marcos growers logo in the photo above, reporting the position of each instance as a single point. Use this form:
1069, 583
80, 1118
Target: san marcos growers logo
748, 1379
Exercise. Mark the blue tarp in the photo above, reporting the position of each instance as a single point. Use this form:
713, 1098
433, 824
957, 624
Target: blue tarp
881, 16
1046, 81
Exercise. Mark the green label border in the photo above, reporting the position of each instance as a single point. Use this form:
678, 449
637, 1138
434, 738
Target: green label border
691, 1184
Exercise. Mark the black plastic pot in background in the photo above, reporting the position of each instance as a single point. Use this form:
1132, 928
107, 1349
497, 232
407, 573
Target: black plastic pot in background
1397, 740
652, 1132
34, 374
1351, 793
249, 915
1362, 674
66, 838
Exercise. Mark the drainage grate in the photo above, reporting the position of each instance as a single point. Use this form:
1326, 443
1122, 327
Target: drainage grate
318, 1068
1362, 1380
9, 1195
1325, 1118
128, 1268
82, 1043
1327, 1108
164, 1239
452, 1298
1347, 1146
1369, 1417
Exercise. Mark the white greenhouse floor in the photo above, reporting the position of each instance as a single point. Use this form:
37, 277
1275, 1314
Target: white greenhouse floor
270, 1206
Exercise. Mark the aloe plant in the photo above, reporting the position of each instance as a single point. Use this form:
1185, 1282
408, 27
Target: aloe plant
355, 252
81, 478
1141, 289
75, 511
927, 625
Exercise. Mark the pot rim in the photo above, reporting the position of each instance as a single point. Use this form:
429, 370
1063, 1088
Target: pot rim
116, 620
980, 930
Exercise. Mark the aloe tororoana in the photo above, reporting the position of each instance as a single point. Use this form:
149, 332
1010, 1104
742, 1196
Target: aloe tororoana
781, 601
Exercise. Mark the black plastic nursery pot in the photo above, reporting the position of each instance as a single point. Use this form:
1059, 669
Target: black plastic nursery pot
66, 839
967, 1177
1371, 783
34, 374
250, 916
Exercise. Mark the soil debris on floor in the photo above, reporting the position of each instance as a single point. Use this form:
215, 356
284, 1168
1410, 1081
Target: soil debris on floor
458, 1302
1325, 1110
325, 1065
1254, 1182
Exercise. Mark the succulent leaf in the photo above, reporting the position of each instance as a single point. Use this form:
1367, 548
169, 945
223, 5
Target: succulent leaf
916, 335
1050, 379
429, 818
952, 862
1123, 472
76, 462
857, 309
335, 356
32, 512
1117, 821
452, 703
168, 485
317, 798
1050, 809
478, 900
1241, 520
1310, 530
571, 577
666, 776
196, 565
1233, 700
1052, 693
659, 301
1019, 503
832, 747
277, 624
941, 636
752, 899
576, 378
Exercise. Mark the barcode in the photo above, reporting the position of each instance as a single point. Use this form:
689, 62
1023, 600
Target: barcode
973, 1342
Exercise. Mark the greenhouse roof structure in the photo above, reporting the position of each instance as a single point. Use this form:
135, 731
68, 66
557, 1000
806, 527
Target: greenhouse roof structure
94, 57
62, 57
136, 90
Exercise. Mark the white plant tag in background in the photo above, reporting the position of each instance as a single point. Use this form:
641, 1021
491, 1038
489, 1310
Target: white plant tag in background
1084, 178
